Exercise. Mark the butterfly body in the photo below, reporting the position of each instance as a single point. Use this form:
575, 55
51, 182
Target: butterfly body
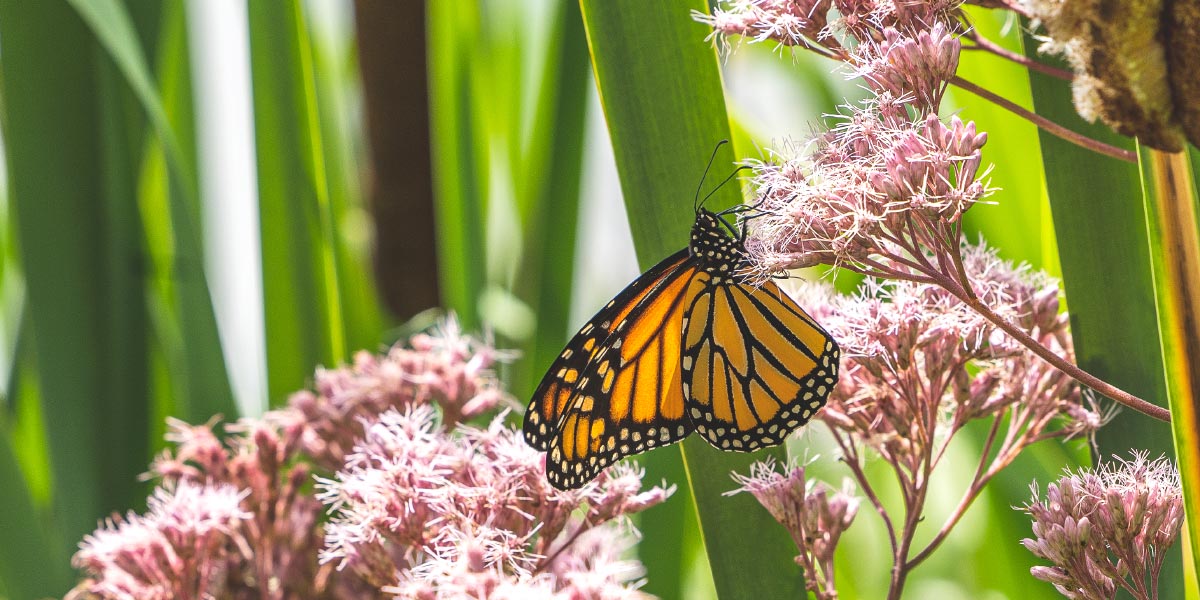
689, 346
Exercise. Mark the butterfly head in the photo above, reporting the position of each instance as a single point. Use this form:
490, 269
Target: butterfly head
712, 245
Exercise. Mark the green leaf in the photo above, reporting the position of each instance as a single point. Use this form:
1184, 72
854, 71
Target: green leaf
335, 81
300, 281
661, 91
206, 388
459, 158
1173, 227
74, 270
33, 563
113, 27
551, 173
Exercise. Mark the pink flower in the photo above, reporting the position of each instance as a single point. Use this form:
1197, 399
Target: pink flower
178, 549
1107, 528
875, 195
444, 368
918, 66
462, 511
917, 366
813, 513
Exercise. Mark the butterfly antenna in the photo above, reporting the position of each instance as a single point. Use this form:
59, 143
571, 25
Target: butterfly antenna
696, 203
723, 182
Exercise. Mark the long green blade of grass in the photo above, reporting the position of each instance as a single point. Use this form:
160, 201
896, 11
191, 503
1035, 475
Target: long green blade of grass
32, 562
205, 390
661, 91
302, 314
114, 29
459, 179
1098, 221
334, 76
1173, 227
59, 189
552, 172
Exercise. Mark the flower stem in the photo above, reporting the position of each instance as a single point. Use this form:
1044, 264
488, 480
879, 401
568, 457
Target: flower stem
1050, 126
982, 476
988, 45
861, 477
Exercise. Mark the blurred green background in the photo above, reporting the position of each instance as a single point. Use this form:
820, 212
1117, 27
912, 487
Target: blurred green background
203, 201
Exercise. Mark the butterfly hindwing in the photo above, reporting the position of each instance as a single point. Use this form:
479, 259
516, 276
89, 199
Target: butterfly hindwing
562, 380
630, 394
756, 366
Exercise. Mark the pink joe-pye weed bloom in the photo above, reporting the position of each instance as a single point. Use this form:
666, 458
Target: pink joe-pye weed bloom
917, 367
1107, 528
421, 506
427, 512
831, 27
179, 549
814, 514
445, 368
879, 193
278, 541
919, 65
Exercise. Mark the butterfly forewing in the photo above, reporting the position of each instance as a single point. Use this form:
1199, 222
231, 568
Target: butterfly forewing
562, 381
756, 366
631, 393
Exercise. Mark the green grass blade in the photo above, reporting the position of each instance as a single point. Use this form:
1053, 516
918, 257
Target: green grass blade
661, 92
206, 390
114, 29
1098, 220
124, 415
1173, 227
459, 183
53, 136
33, 563
199, 384
552, 171
341, 131
302, 314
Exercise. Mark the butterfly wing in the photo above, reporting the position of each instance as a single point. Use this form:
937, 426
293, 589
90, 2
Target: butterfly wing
629, 396
755, 365
562, 380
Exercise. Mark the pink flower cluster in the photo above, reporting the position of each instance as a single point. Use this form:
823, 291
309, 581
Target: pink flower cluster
814, 514
919, 65
423, 505
1107, 528
878, 194
274, 550
176, 550
917, 367
920, 365
446, 368
828, 26
459, 513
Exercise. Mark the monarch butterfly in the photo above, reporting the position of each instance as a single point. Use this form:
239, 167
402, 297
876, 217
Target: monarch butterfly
691, 344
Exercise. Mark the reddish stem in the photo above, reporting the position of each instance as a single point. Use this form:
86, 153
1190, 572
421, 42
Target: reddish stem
1050, 126
985, 44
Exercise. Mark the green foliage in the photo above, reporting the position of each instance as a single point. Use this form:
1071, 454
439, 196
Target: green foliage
108, 324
